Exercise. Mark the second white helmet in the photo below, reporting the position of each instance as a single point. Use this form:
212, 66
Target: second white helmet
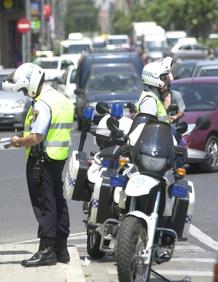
151, 73
28, 76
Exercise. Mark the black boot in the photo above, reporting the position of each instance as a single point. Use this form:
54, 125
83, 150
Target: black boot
44, 256
61, 251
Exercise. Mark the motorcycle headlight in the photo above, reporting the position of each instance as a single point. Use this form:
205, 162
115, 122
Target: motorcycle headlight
153, 163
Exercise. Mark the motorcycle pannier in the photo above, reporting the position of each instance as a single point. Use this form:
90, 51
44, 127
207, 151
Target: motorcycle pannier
76, 182
102, 199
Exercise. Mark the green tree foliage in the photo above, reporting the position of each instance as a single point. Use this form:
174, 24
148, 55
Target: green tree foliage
196, 17
81, 16
121, 23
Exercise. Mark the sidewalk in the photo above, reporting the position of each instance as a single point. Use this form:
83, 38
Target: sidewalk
11, 270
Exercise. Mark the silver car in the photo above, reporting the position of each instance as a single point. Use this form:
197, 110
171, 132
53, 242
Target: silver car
13, 109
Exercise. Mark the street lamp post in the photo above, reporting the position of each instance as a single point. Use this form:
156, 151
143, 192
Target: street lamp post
28, 35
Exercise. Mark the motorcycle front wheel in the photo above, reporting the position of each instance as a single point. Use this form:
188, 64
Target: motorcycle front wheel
131, 242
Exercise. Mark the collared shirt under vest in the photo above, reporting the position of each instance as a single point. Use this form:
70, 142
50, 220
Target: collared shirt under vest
161, 111
57, 140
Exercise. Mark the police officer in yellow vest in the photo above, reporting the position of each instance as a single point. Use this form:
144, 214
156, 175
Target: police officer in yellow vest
154, 77
47, 134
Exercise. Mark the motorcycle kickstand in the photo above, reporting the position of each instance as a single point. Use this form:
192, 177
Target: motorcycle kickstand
158, 275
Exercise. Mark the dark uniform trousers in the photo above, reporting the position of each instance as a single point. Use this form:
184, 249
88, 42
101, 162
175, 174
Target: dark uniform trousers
54, 221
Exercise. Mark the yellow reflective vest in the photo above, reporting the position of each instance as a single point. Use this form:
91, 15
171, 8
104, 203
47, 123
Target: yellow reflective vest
161, 111
57, 140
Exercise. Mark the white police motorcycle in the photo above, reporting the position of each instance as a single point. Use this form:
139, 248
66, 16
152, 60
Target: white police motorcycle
89, 180
160, 201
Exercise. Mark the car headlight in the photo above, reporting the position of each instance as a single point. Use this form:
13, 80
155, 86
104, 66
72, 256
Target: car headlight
153, 163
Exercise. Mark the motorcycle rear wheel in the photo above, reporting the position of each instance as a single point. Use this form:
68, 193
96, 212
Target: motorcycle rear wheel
131, 241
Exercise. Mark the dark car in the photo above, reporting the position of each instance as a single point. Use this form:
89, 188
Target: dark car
87, 60
201, 99
184, 68
194, 68
205, 68
108, 83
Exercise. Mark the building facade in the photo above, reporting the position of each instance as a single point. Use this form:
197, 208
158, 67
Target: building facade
10, 40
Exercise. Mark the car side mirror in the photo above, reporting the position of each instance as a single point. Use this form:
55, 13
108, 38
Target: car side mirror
113, 126
202, 123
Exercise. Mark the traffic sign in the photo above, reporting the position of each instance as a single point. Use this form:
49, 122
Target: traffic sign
23, 25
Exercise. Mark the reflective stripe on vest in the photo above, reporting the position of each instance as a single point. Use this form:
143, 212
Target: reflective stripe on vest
58, 137
161, 111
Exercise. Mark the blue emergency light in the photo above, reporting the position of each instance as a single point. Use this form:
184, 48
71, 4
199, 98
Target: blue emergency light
117, 110
88, 113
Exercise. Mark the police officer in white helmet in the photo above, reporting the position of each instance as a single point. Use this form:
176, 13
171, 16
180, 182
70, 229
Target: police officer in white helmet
46, 137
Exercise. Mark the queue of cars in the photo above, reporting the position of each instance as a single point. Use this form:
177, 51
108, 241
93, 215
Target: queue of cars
115, 76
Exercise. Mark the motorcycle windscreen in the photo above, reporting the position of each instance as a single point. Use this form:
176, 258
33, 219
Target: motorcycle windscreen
153, 152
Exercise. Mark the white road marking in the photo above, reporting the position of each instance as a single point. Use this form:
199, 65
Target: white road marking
207, 260
174, 272
189, 248
203, 238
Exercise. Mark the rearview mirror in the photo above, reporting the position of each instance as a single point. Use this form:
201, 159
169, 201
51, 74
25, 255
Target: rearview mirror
113, 126
102, 108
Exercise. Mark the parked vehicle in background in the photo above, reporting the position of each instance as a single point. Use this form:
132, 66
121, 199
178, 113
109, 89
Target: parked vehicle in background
201, 99
138, 30
184, 68
76, 47
67, 83
53, 66
118, 42
99, 43
4, 73
188, 48
155, 46
205, 68
208, 71
13, 109
194, 68
173, 36
108, 83
50, 66
87, 60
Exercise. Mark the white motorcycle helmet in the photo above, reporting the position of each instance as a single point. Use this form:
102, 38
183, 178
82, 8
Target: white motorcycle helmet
152, 72
28, 76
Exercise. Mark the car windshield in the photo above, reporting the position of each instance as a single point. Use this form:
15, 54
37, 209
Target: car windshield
155, 45
48, 64
76, 48
208, 72
117, 41
104, 78
198, 97
182, 71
